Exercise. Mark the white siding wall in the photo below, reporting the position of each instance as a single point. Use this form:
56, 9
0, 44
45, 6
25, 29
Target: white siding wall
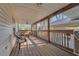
6, 37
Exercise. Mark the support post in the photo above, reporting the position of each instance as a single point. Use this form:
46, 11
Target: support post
48, 29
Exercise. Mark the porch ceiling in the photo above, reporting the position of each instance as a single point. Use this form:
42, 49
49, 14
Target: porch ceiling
31, 12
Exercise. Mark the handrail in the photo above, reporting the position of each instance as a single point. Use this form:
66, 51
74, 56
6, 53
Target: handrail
62, 31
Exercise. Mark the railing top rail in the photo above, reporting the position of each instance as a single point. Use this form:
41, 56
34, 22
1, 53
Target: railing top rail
62, 31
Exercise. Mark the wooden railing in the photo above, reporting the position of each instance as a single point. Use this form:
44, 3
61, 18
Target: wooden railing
43, 34
62, 37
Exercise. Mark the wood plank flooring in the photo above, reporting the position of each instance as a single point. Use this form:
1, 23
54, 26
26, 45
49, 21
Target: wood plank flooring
38, 47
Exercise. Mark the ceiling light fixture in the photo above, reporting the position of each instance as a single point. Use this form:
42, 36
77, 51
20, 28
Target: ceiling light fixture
39, 4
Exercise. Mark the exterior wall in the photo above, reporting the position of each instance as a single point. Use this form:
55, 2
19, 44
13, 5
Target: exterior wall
7, 39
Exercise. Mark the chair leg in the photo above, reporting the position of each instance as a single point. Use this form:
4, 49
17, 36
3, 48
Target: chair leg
19, 46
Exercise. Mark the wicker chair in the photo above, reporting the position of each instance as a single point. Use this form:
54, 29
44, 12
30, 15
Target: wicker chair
20, 40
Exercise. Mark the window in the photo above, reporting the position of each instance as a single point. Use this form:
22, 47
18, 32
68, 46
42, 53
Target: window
59, 17
24, 27
42, 25
53, 19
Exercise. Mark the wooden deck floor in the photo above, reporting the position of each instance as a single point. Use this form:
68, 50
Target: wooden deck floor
37, 47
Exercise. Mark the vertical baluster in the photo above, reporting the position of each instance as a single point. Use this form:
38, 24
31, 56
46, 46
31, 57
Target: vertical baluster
65, 39
51, 37
68, 38
54, 37
59, 38
62, 39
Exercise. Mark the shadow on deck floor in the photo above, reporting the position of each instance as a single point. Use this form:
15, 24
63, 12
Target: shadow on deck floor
37, 47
